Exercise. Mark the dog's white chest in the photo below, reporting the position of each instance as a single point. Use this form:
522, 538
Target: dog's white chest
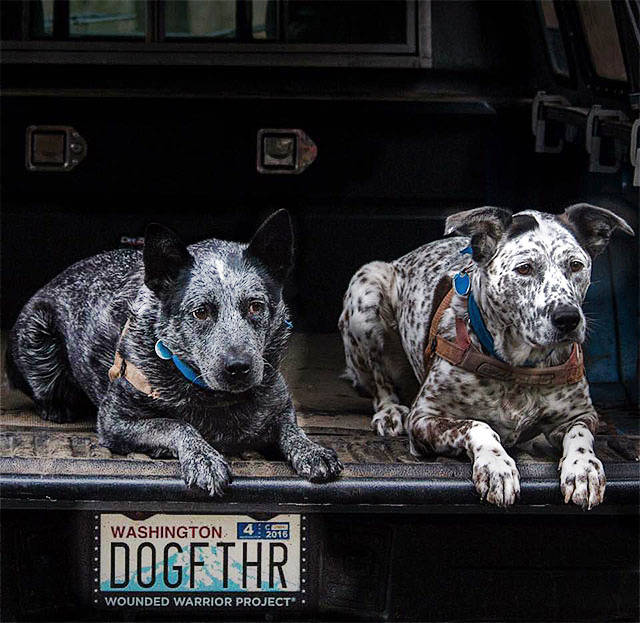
516, 416
515, 412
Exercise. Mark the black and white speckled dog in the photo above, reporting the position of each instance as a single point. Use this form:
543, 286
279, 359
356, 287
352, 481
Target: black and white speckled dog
212, 313
528, 278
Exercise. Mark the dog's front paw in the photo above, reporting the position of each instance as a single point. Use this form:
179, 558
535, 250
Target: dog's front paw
204, 467
316, 463
389, 422
582, 480
496, 477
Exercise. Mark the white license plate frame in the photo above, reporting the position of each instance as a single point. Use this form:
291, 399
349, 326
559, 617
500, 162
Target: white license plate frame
215, 561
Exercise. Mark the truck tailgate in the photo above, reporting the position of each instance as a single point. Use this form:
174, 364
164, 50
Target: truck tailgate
43, 461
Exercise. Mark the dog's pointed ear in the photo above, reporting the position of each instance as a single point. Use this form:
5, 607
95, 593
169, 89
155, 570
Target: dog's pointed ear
593, 226
164, 256
485, 226
272, 245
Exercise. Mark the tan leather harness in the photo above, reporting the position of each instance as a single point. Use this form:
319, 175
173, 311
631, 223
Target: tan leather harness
463, 354
127, 370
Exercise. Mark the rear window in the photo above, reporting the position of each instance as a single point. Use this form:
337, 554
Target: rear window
107, 18
223, 19
345, 22
601, 35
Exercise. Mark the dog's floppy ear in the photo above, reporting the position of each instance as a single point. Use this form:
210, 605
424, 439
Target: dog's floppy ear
593, 226
164, 256
484, 225
272, 245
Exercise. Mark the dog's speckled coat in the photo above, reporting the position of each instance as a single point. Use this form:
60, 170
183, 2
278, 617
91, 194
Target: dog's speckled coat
456, 411
215, 304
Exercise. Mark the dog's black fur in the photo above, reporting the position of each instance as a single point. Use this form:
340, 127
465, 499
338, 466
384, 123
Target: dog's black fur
218, 306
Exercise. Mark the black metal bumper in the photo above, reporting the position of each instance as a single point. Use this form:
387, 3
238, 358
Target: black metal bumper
363, 488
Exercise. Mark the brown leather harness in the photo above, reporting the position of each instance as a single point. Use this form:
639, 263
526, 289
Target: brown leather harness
463, 354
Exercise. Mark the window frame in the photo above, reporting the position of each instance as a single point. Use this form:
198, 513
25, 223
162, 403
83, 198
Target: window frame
629, 44
570, 79
154, 49
593, 80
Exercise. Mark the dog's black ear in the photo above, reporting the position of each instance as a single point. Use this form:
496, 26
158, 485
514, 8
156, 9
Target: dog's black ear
593, 226
484, 225
272, 245
164, 256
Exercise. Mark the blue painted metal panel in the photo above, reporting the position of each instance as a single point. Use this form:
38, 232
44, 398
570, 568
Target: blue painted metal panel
611, 350
623, 256
601, 356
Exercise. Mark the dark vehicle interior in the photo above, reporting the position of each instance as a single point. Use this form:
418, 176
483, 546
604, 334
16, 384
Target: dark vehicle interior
117, 113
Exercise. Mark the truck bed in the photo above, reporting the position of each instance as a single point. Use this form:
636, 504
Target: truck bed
42, 462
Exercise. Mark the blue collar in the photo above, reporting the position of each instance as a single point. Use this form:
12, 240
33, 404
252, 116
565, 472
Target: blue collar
187, 371
480, 329
462, 285
483, 335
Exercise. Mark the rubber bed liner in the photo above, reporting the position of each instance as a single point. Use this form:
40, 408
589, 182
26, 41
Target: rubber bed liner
42, 460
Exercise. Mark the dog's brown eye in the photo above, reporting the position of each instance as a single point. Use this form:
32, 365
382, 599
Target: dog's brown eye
576, 266
524, 269
202, 313
256, 307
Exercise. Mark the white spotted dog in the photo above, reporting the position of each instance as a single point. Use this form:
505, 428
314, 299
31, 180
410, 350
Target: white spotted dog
498, 310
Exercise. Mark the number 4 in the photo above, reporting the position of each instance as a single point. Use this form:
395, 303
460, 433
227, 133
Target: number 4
248, 529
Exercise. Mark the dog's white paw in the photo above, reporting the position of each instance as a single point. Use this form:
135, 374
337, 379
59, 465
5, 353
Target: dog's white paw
204, 467
316, 463
496, 477
389, 422
582, 480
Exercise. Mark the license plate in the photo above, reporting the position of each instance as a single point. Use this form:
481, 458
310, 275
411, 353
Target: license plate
211, 561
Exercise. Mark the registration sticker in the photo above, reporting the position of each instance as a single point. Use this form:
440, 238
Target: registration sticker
263, 530
200, 560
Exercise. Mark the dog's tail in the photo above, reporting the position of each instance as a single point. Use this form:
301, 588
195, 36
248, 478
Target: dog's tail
16, 380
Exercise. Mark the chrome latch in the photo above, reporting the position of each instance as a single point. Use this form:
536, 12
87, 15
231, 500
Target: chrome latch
593, 141
284, 151
53, 148
539, 123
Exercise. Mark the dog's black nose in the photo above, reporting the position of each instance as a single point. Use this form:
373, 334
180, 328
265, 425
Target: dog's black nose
237, 366
565, 318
